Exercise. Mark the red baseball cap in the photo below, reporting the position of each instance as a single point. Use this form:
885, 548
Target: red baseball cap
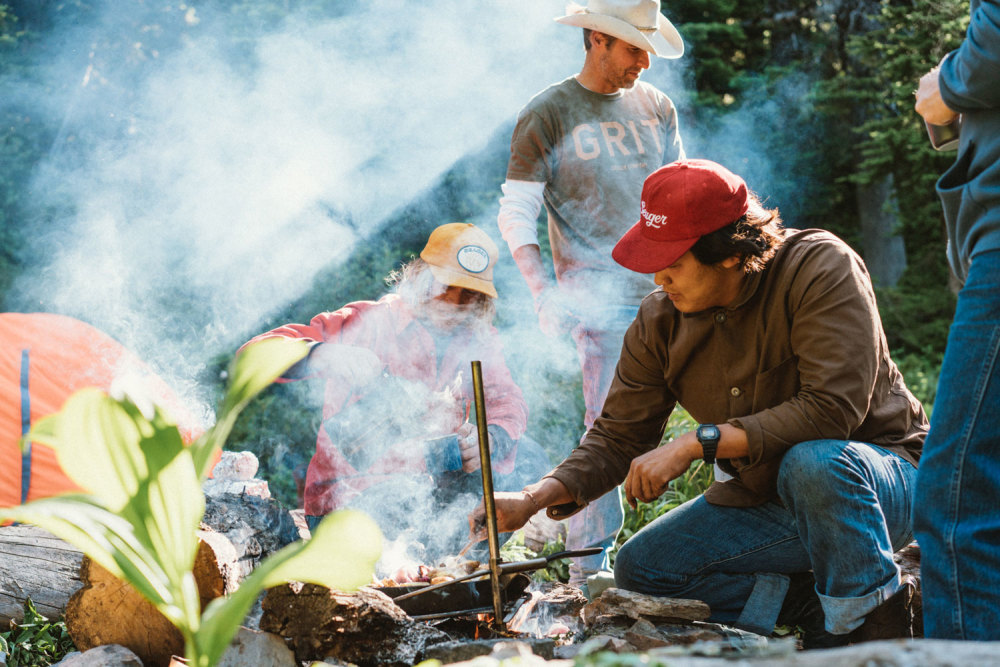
681, 202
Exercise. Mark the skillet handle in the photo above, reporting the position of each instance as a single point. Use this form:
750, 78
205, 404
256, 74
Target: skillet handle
523, 565
539, 563
574, 553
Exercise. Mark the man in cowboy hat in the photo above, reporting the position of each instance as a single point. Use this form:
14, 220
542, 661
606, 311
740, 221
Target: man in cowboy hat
583, 147
396, 438
772, 340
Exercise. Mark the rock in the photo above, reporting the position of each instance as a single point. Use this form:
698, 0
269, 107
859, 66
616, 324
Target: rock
552, 605
599, 582
458, 651
643, 635
697, 631
619, 602
257, 527
781, 653
512, 652
109, 655
239, 487
250, 647
236, 466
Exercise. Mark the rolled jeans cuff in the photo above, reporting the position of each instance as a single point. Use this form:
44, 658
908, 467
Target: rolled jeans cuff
846, 614
760, 612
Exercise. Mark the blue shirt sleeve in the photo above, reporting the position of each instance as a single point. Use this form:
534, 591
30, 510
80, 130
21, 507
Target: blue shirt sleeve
970, 76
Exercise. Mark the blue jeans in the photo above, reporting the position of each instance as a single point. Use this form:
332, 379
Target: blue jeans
957, 513
845, 508
598, 345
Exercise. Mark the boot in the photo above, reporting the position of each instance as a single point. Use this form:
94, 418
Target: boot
893, 619
802, 609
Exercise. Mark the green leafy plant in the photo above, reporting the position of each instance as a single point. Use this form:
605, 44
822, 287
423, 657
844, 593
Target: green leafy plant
689, 485
144, 502
35, 642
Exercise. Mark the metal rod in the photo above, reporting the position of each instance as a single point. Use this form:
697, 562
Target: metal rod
488, 500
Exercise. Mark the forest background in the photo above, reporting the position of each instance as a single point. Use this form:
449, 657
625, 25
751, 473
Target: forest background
185, 175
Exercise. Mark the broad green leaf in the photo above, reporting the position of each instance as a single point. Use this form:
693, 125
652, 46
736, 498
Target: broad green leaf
110, 447
253, 371
105, 537
341, 555
171, 504
97, 440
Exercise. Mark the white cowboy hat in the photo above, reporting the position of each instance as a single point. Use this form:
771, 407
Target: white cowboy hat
638, 22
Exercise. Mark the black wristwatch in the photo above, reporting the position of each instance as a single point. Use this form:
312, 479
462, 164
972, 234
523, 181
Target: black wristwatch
708, 435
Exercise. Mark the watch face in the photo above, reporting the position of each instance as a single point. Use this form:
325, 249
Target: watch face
708, 432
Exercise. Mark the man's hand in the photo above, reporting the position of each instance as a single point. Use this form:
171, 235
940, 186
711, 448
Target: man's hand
929, 103
650, 474
555, 316
354, 366
468, 443
514, 509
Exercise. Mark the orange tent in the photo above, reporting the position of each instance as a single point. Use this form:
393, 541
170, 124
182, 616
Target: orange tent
45, 358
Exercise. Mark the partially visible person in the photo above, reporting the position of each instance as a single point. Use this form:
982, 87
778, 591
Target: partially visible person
771, 339
44, 359
958, 484
583, 147
397, 440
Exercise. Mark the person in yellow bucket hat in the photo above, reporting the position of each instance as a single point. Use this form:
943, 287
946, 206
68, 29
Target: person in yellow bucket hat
397, 438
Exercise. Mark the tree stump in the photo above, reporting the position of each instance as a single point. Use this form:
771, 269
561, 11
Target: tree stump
365, 628
106, 610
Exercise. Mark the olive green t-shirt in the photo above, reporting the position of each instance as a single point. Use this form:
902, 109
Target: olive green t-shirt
593, 152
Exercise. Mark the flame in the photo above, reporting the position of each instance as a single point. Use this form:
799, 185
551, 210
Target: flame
536, 620
482, 621
526, 611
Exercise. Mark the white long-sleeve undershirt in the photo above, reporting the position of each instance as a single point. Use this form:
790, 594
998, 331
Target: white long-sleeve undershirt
519, 208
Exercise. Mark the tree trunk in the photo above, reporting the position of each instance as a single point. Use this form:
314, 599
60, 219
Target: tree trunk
884, 251
37, 565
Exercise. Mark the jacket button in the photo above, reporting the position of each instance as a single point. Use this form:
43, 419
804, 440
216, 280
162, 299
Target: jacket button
735, 391
720, 317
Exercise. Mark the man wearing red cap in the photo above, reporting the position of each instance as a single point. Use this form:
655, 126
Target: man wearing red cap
771, 339
396, 439
583, 147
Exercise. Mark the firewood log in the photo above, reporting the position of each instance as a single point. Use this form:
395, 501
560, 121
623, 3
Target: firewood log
107, 610
37, 565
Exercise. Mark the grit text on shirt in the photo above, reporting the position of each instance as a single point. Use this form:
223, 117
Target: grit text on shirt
617, 137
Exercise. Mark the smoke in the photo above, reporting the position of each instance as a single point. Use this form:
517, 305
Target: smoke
205, 168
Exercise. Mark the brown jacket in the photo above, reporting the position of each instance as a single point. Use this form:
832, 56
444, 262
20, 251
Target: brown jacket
800, 355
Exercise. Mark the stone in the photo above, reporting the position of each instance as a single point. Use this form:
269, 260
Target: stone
459, 651
251, 647
236, 466
636, 605
239, 487
108, 655
598, 583
643, 635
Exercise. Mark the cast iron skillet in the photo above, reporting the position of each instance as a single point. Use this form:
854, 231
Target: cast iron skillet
420, 599
458, 596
